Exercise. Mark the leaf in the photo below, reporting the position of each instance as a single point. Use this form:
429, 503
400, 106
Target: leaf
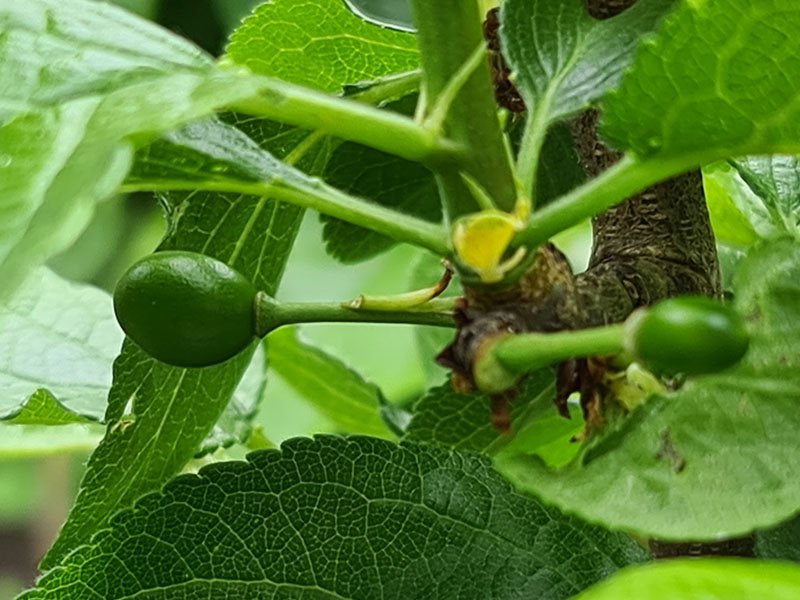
559, 169
319, 43
774, 205
175, 409
235, 425
727, 198
781, 542
21, 441
346, 518
159, 415
562, 58
80, 82
57, 343
463, 421
57, 50
721, 79
49, 184
703, 579
716, 459
335, 390
396, 14
386, 180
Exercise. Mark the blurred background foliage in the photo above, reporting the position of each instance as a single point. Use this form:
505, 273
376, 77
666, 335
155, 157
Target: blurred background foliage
37, 491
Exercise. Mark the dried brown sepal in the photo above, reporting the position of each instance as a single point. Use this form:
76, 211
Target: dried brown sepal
505, 92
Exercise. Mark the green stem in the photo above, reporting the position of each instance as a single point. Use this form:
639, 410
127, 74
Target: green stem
625, 179
387, 88
531, 148
530, 351
271, 314
324, 199
448, 31
351, 120
500, 364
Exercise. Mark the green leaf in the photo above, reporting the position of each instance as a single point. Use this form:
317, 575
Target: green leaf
345, 518
235, 425
80, 82
716, 459
22, 441
50, 181
387, 180
563, 59
463, 421
728, 201
705, 579
335, 390
781, 542
386, 13
721, 79
319, 43
57, 50
59, 340
559, 168
773, 207
159, 415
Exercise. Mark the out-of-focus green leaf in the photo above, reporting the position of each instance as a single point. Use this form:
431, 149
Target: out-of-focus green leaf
335, 390
781, 542
705, 579
20, 441
57, 343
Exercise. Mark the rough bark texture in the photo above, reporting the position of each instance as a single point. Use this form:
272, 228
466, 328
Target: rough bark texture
655, 245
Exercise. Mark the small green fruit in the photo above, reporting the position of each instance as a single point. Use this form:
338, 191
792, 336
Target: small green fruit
689, 335
186, 309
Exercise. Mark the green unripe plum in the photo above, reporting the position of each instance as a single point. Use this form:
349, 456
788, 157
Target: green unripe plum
186, 309
689, 335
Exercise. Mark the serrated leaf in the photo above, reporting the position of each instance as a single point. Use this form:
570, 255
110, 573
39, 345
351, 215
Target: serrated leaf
319, 43
721, 78
345, 518
781, 542
57, 342
774, 205
335, 390
562, 58
716, 459
386, 180
705, 579
463, 421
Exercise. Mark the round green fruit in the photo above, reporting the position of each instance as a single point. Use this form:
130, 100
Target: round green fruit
689, 335
186, 309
